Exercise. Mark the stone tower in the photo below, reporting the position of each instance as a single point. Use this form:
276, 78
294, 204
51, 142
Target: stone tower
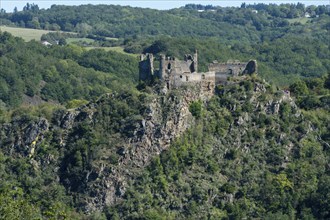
162, 69
195, 62
146, 67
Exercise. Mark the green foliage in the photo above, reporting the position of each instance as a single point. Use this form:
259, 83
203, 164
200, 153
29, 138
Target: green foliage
15, 206
176, 22
284, 50
59, 73
75, 103
234, 162
279, 60
159, 46
196, 109
312, 93
112, 62
299, 88
35, 182
239, 160
55, 38
248, 170
30, 194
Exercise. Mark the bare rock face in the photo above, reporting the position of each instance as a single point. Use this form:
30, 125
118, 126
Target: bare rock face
33, 131
165, 118
273, 106
26, 133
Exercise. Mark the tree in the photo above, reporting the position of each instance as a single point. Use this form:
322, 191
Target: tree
83, 29
327, 82
196, 109
26, 7
158, 46
299, 88
15, 206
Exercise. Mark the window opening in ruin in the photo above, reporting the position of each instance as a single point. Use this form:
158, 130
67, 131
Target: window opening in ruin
192, 68
187, 78
168, 85
230, 71
203, 76
180, 76
169, 66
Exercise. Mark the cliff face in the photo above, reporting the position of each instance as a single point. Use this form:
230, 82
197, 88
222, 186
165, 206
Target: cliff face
164, 119
129, 140
251, 152
99, 149
22, 135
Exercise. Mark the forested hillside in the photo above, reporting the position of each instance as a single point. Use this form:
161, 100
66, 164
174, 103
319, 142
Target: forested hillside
289, 41
82, 138
118, 21
243, 158
59, 74
249, 151
281, 61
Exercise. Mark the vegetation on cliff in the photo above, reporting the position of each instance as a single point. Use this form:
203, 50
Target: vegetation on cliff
250, 154
78, 136
59, 74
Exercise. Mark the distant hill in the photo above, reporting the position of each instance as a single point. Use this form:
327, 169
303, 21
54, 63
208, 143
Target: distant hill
287, 44
123, 21
59, 73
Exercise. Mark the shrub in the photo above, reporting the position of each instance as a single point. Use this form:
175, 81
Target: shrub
196, 109
75, 103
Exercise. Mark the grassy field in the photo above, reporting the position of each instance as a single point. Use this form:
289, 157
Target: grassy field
111, 38
74, 40
25, 33
34, 34
300, 20
117, 49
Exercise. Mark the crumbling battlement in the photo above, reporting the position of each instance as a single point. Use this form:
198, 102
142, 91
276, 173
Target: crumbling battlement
175, 72
146, 67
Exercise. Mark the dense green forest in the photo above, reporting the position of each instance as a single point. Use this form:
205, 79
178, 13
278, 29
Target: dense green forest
64, 73
288, 40
266, 166
237, 160
59, 74
71, 116
118, 21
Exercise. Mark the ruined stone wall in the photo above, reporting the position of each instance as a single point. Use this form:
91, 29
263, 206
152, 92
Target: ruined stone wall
176, 72
234, 69
185, 78
221, 78
174, 67
191, 78
170, 66
146, 67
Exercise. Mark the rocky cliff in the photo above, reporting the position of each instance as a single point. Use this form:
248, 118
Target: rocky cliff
164, 118
137, 137
100, 148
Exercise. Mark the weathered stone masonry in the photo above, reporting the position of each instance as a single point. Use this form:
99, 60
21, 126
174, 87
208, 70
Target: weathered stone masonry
175, 72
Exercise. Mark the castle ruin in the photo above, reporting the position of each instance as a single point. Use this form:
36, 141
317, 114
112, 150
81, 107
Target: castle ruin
175, 72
